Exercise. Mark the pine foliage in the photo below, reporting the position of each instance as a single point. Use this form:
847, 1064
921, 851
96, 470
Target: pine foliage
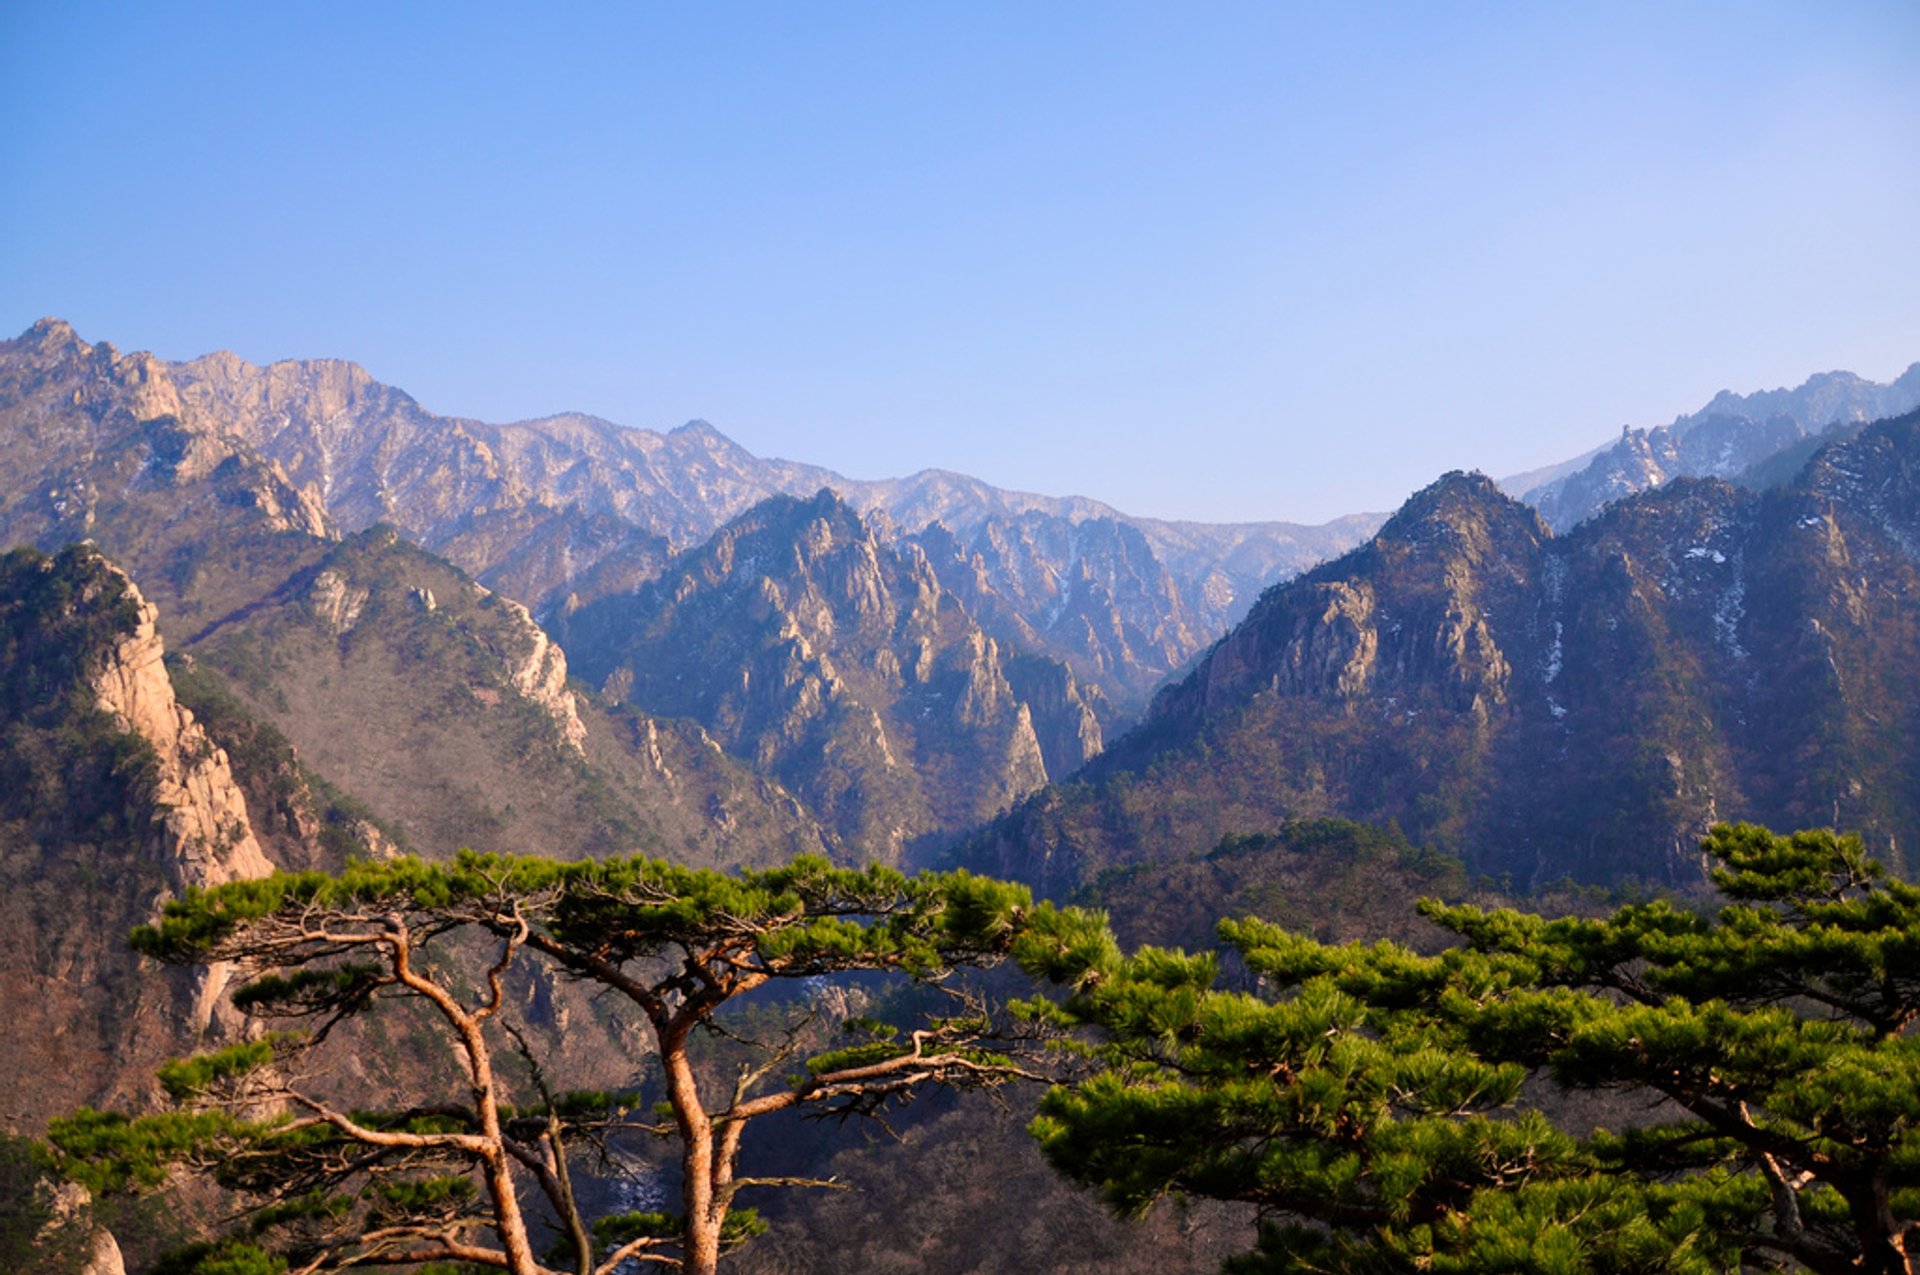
1387, 1111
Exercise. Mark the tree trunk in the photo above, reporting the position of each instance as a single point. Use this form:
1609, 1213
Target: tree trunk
701, 1255
506, 1212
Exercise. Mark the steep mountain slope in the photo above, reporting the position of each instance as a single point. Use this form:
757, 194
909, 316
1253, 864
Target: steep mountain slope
438, 704
112, 799
837, 663
1729, 435
445, 709
1092, 594
1544, 707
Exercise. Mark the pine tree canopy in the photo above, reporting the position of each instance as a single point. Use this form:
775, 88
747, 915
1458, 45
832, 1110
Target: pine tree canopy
1757, 1086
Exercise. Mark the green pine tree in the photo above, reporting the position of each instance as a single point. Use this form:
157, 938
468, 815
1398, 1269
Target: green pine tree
1385, 1112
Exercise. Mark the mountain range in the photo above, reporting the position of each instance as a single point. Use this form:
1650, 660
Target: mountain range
892, 662
569, 508
311, 620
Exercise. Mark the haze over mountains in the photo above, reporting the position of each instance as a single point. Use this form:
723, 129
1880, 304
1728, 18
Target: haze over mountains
1730, 435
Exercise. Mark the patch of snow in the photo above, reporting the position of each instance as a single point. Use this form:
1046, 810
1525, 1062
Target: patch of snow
1727, 616
1701, 551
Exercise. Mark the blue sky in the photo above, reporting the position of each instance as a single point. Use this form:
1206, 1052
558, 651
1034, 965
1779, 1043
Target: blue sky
1222, 261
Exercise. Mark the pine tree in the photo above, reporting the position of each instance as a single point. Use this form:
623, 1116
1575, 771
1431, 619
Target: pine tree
1381, 1107
449, 1176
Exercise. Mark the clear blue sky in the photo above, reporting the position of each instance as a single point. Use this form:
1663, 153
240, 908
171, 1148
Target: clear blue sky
1205, 260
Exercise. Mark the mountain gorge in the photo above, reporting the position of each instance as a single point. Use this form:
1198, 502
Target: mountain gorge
1545, 706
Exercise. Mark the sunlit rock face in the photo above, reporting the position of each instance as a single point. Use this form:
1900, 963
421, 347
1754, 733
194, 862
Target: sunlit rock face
115, 800
200, 826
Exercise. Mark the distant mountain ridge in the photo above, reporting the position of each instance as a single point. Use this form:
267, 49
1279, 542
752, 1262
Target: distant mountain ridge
573, 506
1732, 434
567, 508
436, 701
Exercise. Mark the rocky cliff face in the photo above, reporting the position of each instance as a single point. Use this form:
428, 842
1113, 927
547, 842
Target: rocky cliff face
525, 657
1092, 594
201, 834
106, 432
1411, 613
840, 664
1581, 706
114, 799
1731, 434
200, 826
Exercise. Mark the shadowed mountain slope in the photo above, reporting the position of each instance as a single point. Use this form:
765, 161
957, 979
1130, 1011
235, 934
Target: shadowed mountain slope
112, 799
1580, 706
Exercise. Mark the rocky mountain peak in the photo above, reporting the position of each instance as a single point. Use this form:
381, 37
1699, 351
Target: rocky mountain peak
1414, 619
702, 444
230, 388
51, 353
1461, 512
833, 658
52, 336
1583, 705
106, 446
699, 430
1731, 437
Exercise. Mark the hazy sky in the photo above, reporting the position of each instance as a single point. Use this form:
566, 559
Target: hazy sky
1223, 261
